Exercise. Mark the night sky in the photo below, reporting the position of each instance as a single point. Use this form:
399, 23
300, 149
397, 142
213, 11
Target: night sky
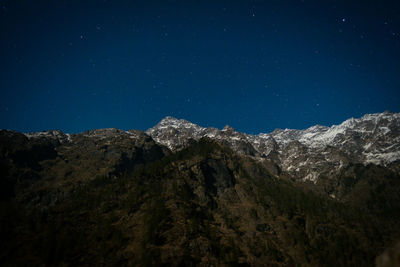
255, 65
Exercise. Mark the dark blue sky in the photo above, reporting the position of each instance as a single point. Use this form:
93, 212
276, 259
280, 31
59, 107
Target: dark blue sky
255, 65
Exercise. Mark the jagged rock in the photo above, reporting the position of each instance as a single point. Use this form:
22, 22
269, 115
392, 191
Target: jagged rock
305, 154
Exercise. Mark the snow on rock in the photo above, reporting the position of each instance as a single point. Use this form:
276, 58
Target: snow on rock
306, 154
373, 138
53, 134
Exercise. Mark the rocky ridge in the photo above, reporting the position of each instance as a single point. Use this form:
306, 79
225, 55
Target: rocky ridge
304, 154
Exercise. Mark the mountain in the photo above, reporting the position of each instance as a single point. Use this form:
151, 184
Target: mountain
305, 154
184, 195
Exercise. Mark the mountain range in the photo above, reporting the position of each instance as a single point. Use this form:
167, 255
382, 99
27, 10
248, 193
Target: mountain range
305, 154
182, 194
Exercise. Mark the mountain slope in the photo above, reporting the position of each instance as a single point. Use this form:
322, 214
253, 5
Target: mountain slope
204, 205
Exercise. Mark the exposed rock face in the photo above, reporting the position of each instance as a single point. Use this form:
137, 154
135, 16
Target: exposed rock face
304, 154
176, 133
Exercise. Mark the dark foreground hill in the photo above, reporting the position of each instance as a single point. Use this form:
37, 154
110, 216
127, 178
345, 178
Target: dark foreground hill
118, 198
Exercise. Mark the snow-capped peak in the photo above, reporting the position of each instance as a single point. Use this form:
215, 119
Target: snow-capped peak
228, 128
171, 122
373, 138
